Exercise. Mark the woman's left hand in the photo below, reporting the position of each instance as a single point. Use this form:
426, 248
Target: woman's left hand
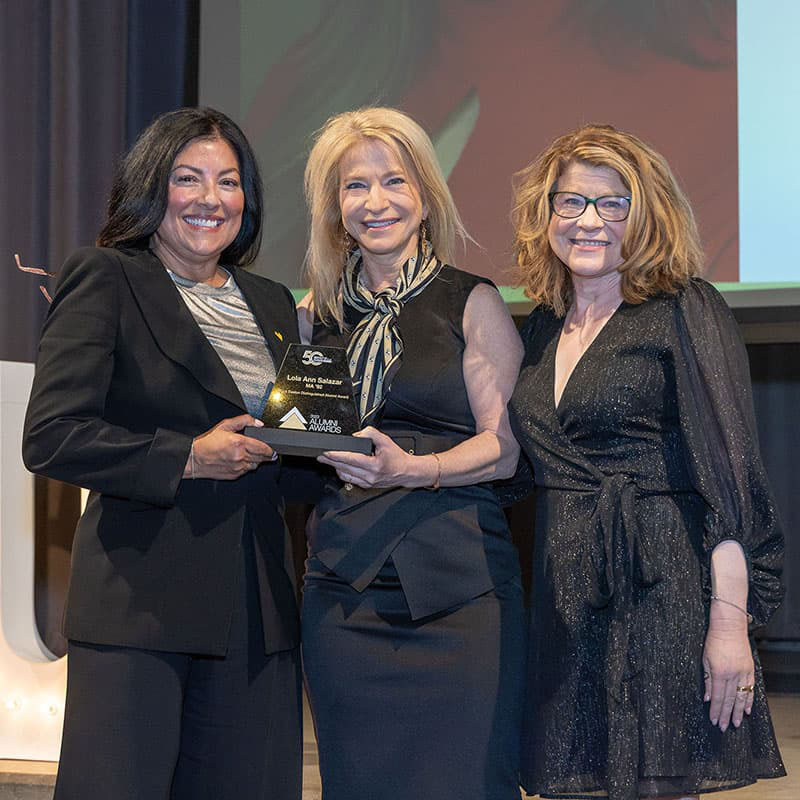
728, 665
389, 464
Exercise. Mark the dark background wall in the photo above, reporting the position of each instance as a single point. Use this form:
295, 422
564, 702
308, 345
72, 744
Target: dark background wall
78, 82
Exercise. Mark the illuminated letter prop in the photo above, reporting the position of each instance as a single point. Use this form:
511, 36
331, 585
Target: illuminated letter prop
32, 679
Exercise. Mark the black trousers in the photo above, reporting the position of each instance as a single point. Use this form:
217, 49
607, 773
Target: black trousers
149, 725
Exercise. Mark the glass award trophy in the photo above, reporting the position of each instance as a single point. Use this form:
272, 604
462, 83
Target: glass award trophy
310, 408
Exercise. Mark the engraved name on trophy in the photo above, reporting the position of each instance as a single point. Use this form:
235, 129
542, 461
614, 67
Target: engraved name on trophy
311, 408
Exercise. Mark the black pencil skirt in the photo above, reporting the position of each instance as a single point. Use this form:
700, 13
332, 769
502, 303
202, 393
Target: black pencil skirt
413, 709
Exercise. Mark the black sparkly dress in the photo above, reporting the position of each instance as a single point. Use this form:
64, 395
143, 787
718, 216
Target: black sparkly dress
413, 622
649, 461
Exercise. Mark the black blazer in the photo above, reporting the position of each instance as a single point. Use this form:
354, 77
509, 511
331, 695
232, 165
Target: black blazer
124, 380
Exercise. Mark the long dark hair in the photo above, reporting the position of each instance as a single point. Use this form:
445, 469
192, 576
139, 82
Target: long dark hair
138, 198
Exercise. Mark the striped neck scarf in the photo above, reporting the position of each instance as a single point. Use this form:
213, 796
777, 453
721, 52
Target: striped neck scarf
375, 346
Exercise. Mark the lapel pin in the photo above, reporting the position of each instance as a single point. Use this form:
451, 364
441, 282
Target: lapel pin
279, 335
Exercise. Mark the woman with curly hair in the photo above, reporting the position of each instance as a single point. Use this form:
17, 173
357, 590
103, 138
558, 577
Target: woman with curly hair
658, 547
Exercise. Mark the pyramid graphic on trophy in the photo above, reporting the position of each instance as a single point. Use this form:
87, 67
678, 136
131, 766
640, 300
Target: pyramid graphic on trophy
293, 419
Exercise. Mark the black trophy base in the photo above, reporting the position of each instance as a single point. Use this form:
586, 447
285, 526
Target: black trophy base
291, 442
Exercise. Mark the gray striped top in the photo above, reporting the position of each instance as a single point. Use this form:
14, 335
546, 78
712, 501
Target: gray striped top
230, 327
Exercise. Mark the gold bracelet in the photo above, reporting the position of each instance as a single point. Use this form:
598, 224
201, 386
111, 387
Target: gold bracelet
738, 608
438, 471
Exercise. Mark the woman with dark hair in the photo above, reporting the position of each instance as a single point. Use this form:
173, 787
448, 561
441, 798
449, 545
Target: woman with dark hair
157, 351
657, 542
139, 194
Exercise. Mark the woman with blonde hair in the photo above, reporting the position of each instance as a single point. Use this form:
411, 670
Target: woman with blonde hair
658, 547
412, 612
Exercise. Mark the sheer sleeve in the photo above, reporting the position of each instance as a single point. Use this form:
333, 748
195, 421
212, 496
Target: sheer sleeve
719, 432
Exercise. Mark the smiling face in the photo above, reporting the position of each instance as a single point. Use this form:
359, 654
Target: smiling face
381, 204
205, 202
589, 246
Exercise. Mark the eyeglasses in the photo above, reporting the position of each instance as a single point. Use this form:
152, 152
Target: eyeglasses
570, 205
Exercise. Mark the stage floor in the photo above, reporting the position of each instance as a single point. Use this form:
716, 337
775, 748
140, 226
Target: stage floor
33, 780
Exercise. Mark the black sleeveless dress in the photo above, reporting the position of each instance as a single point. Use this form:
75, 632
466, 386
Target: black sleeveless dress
647, 463
413, 619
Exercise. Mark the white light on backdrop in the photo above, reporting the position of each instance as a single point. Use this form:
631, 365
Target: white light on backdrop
32, 679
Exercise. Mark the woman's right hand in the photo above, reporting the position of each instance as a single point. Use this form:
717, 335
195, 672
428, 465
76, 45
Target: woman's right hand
224, 454
305, 318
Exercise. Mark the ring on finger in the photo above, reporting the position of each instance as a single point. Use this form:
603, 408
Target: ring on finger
748, 688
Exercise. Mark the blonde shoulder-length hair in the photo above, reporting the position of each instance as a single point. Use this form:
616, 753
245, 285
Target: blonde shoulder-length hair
327, 251
661, 246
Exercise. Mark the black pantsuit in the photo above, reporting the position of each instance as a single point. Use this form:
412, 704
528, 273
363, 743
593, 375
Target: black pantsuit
209, 727
159, 614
